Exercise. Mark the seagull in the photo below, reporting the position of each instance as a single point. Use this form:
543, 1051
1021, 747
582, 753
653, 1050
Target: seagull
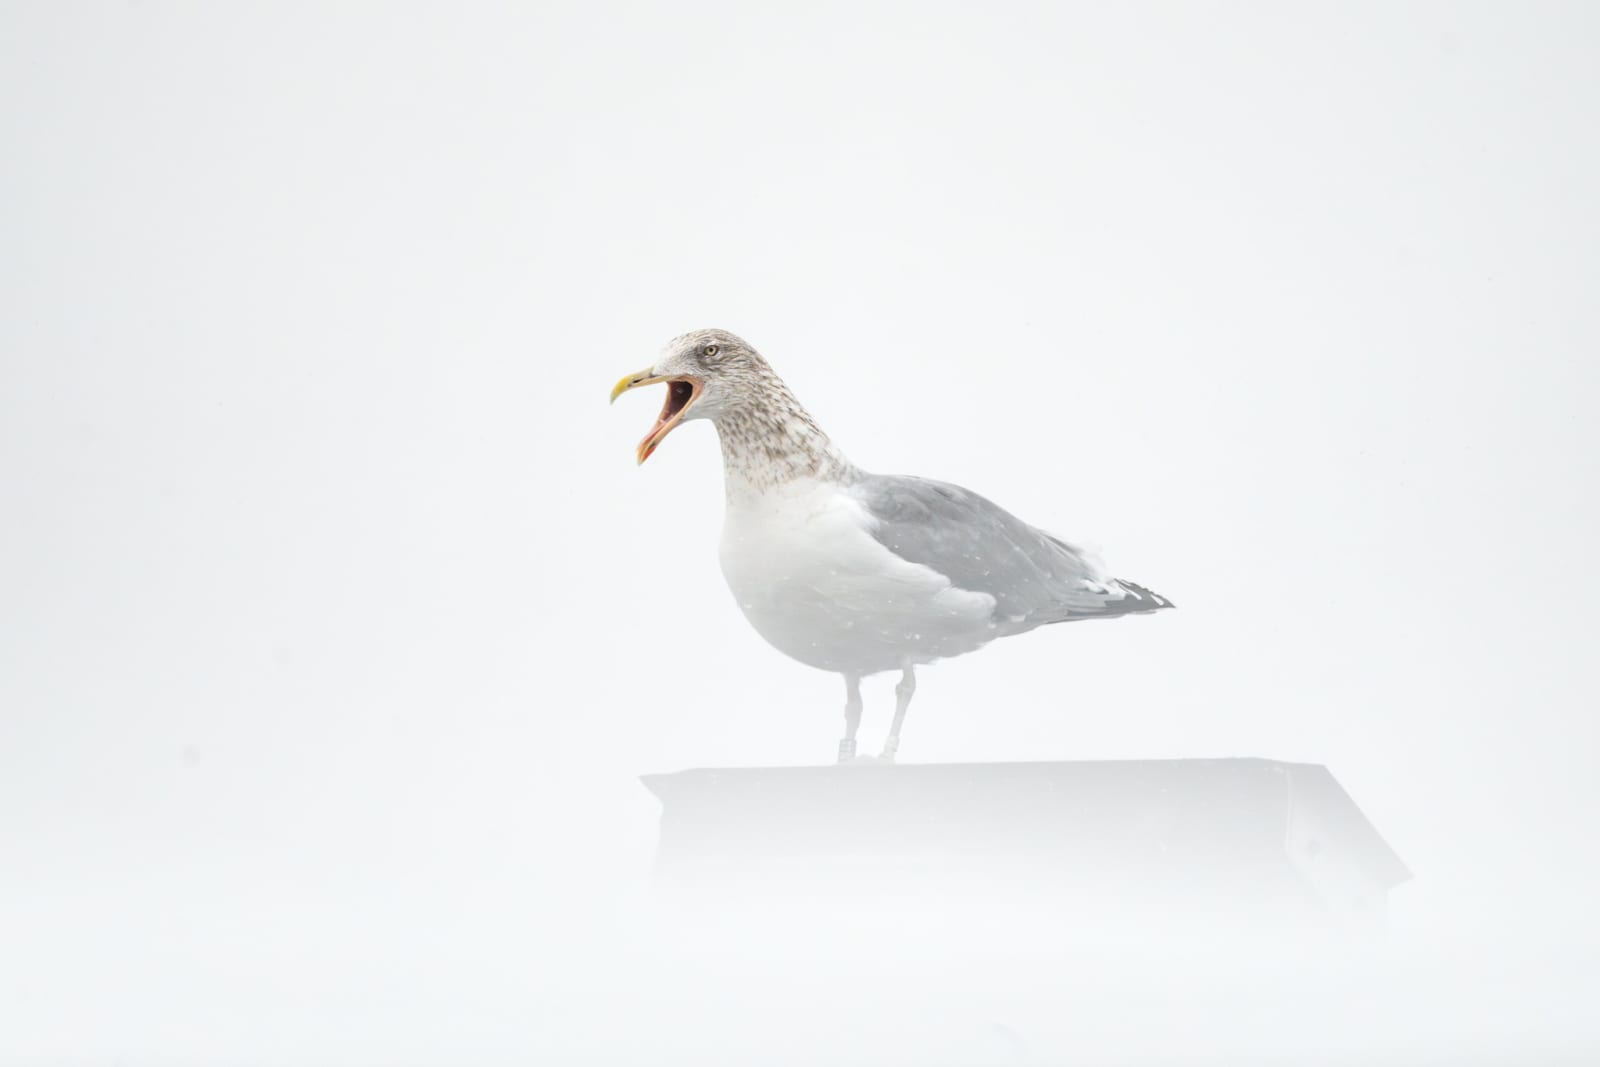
859, 573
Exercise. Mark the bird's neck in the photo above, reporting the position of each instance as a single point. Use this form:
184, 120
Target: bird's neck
768, 445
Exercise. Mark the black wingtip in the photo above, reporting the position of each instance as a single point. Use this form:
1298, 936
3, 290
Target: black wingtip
1157, 601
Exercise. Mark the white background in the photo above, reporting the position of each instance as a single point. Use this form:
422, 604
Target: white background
336, 621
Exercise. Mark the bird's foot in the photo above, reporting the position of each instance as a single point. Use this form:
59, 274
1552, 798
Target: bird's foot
847, 750
890, 747
864, 761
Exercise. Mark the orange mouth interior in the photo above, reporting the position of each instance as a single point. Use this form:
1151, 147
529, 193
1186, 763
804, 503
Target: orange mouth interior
681, 392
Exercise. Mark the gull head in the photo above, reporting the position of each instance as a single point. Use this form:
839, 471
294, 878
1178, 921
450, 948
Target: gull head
707, 373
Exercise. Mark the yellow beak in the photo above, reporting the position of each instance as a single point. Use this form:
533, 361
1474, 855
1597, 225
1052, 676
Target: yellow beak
678, 402
633, 381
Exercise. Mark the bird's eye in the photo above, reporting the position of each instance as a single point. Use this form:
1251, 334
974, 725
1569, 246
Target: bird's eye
709, 350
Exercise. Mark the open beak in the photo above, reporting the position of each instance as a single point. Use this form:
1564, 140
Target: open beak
682, 392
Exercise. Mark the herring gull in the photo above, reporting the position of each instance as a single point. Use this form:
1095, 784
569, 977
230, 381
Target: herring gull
854, 572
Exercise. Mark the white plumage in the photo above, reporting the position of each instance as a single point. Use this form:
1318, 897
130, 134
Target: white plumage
807, 572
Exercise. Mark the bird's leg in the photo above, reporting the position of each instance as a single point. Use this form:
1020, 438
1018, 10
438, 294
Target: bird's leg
902, 701
852, 717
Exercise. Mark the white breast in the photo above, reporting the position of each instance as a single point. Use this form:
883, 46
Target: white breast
815, 584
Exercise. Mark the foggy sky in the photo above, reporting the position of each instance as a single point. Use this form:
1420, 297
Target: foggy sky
338, 620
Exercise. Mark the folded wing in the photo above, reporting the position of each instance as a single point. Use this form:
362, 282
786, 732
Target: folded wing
1035, 578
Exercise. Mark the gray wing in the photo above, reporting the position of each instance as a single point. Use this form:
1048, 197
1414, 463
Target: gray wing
1034, 578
